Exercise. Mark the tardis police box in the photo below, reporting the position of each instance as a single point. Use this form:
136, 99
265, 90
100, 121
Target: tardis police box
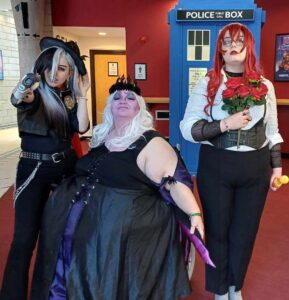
194, 27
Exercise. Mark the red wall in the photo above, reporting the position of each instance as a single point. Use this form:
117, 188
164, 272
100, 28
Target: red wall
140, 18
277, 21
149, 18
283, 116
161, 125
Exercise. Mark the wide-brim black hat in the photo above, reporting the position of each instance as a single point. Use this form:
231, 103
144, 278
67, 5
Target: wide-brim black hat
70, 47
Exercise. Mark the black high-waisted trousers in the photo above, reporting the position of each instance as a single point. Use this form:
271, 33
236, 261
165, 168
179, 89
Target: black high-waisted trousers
233, 187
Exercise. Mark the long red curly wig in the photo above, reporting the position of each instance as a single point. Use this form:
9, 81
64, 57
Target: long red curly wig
235, 29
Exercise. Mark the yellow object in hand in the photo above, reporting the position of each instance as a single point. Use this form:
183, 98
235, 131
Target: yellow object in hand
279, 181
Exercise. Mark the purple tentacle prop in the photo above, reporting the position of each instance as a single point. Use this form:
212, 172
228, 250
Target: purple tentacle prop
198, 244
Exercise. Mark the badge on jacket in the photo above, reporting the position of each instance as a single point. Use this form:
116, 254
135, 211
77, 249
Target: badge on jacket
69, 102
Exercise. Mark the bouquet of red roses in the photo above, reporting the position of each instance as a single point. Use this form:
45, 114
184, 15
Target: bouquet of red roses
242, 93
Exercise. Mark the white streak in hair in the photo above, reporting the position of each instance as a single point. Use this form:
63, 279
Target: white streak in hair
54, 105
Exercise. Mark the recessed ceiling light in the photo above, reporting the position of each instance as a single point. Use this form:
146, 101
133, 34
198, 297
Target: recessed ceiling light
102, 33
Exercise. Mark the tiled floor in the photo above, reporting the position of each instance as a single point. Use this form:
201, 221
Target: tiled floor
9, 153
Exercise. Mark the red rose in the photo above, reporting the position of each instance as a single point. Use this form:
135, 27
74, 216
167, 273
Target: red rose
234, 82
253, 76
262, 89
247, 92
228, 93
255, 93
243, 91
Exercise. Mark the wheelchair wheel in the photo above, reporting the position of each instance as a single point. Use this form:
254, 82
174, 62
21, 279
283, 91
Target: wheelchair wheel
191, 262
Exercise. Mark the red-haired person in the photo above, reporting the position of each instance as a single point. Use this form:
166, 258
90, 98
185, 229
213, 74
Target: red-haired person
238, 143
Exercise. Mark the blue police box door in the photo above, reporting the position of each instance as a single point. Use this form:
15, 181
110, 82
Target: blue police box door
194, 28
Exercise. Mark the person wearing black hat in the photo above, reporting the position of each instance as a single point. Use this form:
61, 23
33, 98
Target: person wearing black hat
109, 232
51, 107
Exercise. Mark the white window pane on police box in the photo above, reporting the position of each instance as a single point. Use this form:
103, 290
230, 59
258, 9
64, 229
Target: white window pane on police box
198, 45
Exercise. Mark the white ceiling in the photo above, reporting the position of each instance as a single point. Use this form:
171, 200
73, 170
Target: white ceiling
112, 32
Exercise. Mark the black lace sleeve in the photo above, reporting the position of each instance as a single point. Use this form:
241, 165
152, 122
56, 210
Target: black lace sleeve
275, 152
203, 130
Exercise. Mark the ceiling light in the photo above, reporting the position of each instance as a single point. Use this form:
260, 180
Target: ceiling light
102, 33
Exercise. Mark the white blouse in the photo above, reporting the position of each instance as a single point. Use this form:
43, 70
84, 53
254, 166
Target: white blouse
198, 100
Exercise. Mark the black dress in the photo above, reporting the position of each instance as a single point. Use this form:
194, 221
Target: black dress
125, 241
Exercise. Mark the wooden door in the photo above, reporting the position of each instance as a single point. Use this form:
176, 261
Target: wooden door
108, 66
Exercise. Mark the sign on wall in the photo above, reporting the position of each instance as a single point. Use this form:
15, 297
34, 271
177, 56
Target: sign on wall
112, 68
140, 71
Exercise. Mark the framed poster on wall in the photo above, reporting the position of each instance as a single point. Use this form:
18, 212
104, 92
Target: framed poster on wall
1, 66
112, 69
281, 72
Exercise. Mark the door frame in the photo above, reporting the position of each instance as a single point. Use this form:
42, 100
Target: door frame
92, 75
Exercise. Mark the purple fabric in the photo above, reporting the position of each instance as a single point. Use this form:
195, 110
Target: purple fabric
198, 244
182, 175
58, 286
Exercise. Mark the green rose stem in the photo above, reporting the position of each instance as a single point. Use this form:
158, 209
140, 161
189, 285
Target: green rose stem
238, 140
239, 130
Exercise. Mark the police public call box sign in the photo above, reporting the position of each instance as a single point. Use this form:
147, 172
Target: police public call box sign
215, 15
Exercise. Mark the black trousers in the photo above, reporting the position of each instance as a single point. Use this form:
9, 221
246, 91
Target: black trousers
28, 212
233, 187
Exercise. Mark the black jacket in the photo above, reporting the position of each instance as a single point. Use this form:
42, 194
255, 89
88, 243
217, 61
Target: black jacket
32, 117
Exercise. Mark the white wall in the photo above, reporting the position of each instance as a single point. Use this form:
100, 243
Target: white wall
10, 52
9, 47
